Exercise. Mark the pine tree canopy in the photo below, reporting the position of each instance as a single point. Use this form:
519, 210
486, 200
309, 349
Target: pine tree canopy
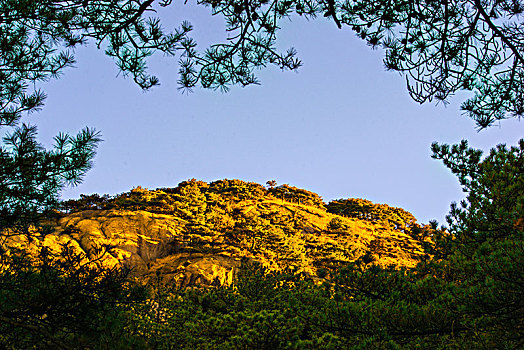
441, 47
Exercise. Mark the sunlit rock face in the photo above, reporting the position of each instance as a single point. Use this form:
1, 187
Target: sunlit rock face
152, 245
198, 233
137, 237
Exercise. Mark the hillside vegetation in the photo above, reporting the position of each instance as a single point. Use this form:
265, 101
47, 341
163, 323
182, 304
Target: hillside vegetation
197, 233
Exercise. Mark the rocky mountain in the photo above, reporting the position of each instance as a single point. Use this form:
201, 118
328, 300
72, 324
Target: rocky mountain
198, 232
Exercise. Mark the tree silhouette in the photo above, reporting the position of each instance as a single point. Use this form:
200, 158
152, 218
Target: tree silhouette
31, 177
271, 184
441, 47
485, 254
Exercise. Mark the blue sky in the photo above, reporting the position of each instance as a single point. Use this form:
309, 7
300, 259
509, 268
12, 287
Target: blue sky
341, 126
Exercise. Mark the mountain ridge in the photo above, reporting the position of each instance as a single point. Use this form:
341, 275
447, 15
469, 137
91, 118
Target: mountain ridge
197, 233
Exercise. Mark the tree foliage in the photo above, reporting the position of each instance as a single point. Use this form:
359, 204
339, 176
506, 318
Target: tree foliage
60, 299
37, 41
441, 47
364, 209
486, 254
297, 195
444, 47
31, 177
